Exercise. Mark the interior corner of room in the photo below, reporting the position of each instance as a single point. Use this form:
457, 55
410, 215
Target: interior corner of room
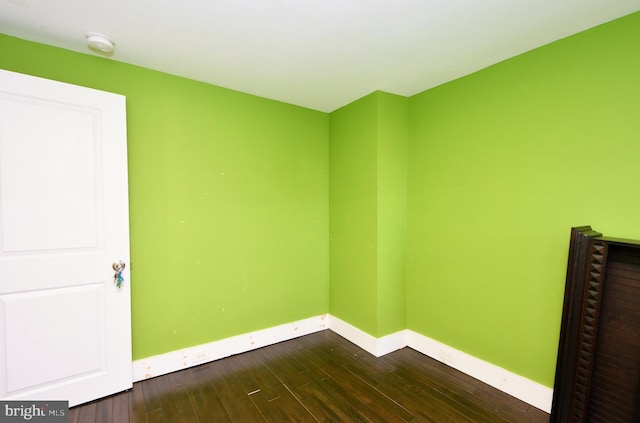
438, 221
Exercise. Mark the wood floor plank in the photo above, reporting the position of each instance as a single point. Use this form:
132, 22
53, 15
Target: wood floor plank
137, 407
370, 402
302, 375
436, 370
286, 368
304, 384
156, 416
207, 405
104, 411
469, 392
265, 390
253, 372
325, 406
280, 405
233, 396
401, 391
379, 373
414, 397
467, 409
152, 394
315, 378
510, 408
74, 414
445, 393
121, 407
167, 396
87, 413
182, 402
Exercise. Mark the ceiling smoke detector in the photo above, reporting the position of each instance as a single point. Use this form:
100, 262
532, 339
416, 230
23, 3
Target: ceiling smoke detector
100, 43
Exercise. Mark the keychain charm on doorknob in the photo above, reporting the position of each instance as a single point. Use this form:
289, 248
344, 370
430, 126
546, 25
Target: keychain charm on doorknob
118, 268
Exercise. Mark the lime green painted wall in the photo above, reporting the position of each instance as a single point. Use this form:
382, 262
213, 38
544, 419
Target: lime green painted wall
228, 201
392, 211
353, 214
368, 212
501, 164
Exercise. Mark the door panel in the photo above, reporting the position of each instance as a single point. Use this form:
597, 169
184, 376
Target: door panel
55, 207
35, 319
65, 328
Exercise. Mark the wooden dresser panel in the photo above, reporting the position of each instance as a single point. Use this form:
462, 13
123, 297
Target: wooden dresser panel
598, 372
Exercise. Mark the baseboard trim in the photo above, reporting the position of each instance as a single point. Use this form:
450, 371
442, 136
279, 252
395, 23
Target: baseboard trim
172, 361
369, 343
515, 385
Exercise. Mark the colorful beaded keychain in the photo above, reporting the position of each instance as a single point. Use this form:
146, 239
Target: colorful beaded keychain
118, 278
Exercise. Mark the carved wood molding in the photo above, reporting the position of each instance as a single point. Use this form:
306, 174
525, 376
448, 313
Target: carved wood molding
575, 359
588, 328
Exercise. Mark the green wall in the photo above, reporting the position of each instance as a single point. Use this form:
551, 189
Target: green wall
475, 184
502, 163
228, 201
368, 209
353, 213
393, 115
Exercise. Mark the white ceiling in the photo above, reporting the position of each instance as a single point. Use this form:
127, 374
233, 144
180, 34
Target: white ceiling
320, 54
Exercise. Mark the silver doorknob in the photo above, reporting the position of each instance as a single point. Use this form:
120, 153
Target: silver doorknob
118, 267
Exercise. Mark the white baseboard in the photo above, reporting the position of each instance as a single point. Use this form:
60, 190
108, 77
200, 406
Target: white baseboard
517, 386
371, 344
193, 356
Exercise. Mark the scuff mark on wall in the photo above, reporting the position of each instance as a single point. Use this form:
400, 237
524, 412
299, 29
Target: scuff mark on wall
244, 282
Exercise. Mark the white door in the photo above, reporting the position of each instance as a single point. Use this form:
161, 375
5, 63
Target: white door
65, 327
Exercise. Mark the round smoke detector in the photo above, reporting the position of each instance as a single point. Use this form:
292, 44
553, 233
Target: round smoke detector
100, 43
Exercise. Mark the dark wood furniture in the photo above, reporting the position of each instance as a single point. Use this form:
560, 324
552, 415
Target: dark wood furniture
598, 370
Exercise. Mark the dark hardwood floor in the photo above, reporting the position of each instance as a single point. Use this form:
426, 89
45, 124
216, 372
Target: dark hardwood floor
315, 378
